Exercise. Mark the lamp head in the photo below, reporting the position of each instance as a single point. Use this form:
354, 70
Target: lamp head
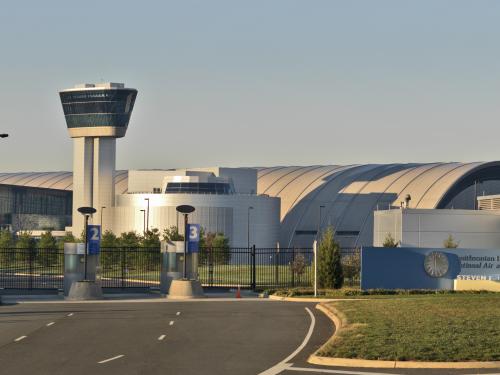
185, 209
86, 210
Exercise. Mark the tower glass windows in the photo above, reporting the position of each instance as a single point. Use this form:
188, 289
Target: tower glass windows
90, 108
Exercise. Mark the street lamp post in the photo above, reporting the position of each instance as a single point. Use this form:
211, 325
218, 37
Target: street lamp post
86, 211
185, 210
143, 222
147, 215
319, 223
248, 226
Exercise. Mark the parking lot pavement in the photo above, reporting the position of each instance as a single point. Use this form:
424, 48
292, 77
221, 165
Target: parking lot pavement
206, 337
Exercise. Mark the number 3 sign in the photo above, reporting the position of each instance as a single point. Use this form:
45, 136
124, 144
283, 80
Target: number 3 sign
194, 237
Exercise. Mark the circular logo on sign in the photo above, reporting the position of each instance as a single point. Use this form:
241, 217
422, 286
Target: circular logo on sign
436, 264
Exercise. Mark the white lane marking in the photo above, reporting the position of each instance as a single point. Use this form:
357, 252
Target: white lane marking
49, 324
161, 337
111, 359
70, 314
178, 313
276, 369
171, 323
20, 338
325, 371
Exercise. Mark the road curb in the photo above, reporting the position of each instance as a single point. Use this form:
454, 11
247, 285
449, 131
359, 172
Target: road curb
312, 299
350, 362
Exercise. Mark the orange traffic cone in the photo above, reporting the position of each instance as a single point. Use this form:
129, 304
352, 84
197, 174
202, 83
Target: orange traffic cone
238, 293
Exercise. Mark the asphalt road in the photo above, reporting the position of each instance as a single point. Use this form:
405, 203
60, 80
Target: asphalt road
206, 337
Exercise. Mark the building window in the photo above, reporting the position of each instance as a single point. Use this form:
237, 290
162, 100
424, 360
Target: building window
198, 188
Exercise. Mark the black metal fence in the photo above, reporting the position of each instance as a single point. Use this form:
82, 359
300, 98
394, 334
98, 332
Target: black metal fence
125, 267
136, 267
31, 268
260, 268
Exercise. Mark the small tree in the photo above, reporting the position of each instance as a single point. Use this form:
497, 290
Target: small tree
172, 234
351, 264
151, 243
110, 254
50, 250
132, 241
151, 238
47, 241
27, 242
109, 239
129, 239
389, 241
330, 273
220, 248
6, 245
450, 243
298, 265
6, 239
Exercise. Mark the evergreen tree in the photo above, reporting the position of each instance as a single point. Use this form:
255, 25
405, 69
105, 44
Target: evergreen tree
389, 241
330, 274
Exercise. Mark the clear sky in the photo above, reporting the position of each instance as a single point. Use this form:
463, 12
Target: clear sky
257, 83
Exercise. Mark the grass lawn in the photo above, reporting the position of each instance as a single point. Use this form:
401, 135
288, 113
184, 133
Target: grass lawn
464, 327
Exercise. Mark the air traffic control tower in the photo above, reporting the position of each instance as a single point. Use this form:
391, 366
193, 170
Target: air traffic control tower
96, 114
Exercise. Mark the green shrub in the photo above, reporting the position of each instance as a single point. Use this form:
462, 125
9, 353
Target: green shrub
330, 273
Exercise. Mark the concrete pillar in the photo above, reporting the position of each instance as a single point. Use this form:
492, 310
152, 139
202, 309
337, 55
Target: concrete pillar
83, 160
104, 179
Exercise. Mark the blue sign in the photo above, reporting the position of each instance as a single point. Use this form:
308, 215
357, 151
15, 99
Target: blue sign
425, 268
94, 239
193, 231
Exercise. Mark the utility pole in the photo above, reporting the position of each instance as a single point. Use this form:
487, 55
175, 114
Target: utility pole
102, 209
147, 215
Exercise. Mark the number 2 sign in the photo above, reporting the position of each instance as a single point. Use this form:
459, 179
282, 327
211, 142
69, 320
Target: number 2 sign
94, 239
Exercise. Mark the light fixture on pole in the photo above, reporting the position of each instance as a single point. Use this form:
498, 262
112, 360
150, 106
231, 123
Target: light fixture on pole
86, 212
147, 215
102, 209
185, 210
143, 222
248, 226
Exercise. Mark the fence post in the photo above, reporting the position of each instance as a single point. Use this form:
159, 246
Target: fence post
122, 253
30, 265
291, 267
254, 274
276, 265
210, 267
315, 250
